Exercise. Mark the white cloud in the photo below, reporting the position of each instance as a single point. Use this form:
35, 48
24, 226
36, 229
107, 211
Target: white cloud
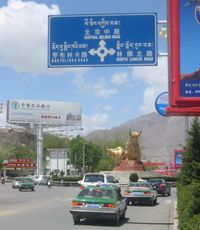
119, 78
24, 33
102, 91
125, 109
99, 89
95, 122
106, 108
156, 79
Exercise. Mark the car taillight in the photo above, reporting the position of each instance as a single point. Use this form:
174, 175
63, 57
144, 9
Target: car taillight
77, 204
162, 186
82, 187
147, 193
126, 192
108, 205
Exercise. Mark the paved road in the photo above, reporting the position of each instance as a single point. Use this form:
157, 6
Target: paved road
49, 209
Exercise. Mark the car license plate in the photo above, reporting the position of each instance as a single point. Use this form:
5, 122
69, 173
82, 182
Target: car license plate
92, 205
137, 193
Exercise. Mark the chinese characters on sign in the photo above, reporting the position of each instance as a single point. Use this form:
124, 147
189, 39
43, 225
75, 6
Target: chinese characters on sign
44, 112
102, 40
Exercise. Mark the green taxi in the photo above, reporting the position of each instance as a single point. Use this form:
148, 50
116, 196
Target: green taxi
26, 184
141, 192
98, 202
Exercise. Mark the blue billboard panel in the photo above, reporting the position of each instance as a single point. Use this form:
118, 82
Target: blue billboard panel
102, 40
178, 158
189, 48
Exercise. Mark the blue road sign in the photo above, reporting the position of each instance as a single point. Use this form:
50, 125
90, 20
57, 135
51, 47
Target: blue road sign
102, 40
161, 103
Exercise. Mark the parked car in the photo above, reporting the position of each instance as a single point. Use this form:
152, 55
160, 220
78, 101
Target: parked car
15, 182
161, 186
98, 202
26, 183
41, 179
140, 192
98, 179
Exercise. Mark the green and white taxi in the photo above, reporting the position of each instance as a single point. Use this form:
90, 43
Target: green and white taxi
98, 202
141, 192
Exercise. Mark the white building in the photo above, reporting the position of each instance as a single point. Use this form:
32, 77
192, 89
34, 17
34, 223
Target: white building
58, 160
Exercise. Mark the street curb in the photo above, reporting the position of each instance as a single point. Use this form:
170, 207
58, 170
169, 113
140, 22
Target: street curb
175, 216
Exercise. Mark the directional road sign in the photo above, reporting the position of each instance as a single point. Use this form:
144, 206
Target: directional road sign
102, 40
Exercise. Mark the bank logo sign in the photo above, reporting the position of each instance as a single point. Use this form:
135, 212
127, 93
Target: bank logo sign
15, 105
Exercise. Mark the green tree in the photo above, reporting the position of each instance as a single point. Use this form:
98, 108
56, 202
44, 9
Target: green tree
93, 153
106, 163
133, 177
53, 142
191, 162
188, 185
24, 151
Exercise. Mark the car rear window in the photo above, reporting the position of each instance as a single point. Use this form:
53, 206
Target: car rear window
96, 193
141, 185
155, 181
94, 178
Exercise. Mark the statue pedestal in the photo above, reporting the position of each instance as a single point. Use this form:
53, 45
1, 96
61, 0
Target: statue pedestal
129, 165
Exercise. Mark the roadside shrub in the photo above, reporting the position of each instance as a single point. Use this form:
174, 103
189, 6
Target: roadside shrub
133, 177
189, 206
66, 179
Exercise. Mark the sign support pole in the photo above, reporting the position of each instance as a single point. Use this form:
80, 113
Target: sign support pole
39, 166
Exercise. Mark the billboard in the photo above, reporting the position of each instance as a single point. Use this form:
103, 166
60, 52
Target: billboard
44, 112
184, 59
178, 158
102, 40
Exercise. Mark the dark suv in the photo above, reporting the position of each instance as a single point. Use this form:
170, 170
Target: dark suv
161, 186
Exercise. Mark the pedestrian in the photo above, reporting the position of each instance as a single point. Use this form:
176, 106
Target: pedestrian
2, 180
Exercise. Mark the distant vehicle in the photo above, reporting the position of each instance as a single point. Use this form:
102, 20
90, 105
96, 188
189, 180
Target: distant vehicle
15, 182
26, 184
161, 186
140, 192
41, 179
98, 203
98, 179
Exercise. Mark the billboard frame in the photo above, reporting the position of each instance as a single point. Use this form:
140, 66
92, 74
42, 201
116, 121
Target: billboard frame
179, 105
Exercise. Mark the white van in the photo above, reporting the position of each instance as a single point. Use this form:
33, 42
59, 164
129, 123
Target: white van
41, 179
98, 179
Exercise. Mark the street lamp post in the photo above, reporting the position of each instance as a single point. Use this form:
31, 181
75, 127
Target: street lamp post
83, 156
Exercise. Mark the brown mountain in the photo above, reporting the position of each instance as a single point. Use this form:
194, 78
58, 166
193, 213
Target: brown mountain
160, 135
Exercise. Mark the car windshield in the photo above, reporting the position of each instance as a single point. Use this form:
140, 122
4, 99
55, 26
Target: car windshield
94, 178
96, 193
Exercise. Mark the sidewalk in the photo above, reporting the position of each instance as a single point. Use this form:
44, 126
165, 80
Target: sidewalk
175, 217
